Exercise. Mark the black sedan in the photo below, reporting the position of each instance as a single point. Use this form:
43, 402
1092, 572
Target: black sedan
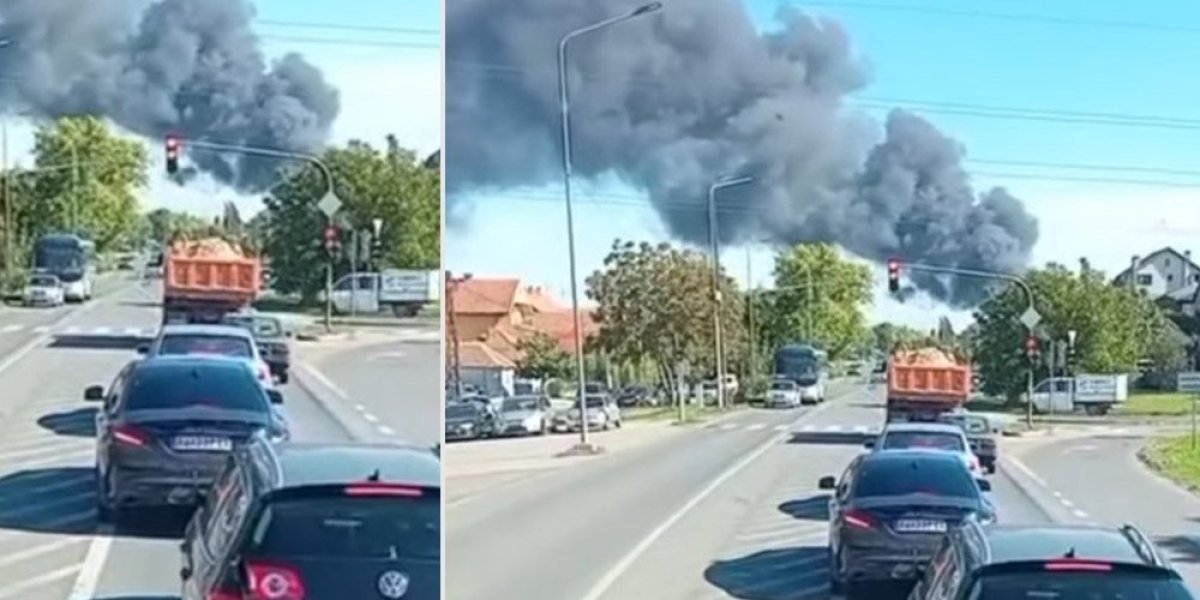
469, 421
167, 426
889, 512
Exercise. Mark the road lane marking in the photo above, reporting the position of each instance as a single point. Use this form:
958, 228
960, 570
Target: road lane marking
613, 574
12, 328
13, 591
385, 430
41, 329
756, 426
73, 330
101, 330
781, 428
12, 558
1080, 514
91, 568
370, 418
729, 426
1027, 471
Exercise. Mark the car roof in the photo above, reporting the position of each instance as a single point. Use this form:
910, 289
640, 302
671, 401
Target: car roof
922, 428
193, 361
310, 464
898, 456
193, 329
1009, 543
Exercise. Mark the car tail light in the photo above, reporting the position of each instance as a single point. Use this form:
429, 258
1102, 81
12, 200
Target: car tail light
1077, 565
274, 581
225, 594
383, 489
128, 434
859, 519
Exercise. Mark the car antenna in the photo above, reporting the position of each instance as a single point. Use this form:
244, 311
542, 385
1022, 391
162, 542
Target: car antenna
1070, 553
374, 477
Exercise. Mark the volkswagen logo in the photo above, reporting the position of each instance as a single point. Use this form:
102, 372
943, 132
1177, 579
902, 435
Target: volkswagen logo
393, 584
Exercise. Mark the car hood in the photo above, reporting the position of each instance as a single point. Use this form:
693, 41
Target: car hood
519, 415
458, 421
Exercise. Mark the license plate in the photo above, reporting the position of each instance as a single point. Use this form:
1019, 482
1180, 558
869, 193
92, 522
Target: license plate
920, 526
200, 442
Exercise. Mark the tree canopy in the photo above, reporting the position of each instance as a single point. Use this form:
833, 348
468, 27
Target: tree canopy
391, 185
655, 303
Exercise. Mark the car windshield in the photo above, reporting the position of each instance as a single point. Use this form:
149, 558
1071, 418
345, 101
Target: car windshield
1078, 586
222, 345
807, 379
974, 424
519, 404
932, 440
946, 478
593, 402
349, 527
43, 281
233, 388
261, 327
784, 386
459, 411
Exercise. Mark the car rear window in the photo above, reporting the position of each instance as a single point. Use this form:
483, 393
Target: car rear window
350, 527
947, 478
223, 345
1078, 586
903, 440
229, 387
43, 281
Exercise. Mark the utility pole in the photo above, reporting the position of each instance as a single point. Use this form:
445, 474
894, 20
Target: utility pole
455, 362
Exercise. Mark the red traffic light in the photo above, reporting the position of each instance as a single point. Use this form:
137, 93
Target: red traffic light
331, 233
1033, 346
893, 266
172, 142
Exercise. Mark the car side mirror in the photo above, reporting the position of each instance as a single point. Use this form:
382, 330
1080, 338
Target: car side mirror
827, 483
143, 349
93, 393
869, 444
984, 485
185, 574
275, 396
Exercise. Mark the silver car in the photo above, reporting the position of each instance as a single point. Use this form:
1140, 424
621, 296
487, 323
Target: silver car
44, 289
602, 413
783, 394
524, 415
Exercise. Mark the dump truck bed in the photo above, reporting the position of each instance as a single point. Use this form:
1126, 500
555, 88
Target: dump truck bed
927, 381
209, 276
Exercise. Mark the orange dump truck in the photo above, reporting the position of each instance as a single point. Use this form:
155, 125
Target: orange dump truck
924, 383
206, 279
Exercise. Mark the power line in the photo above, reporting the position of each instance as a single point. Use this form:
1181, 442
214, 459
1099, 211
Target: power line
350, 27
986, 111
351, 42
1002, 16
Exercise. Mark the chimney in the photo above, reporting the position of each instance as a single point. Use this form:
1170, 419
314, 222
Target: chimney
1133, 268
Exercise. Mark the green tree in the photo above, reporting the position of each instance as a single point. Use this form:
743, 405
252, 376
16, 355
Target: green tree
390, 185
161, 224
655, 304
1114, 327
96, 196
542, 357
840, 289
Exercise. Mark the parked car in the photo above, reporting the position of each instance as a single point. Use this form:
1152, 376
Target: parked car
636, 395
602, 413
524, 415
43, 289
468, 421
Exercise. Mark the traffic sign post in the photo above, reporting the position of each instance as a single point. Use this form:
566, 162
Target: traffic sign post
1189, 382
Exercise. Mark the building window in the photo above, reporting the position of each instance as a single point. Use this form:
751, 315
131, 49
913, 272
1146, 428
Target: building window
1144, 279
1170, 278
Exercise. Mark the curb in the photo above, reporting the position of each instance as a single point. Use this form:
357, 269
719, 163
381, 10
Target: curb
1029, 489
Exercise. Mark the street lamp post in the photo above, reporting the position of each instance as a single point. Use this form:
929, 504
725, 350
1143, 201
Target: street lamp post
564, 103
718, 346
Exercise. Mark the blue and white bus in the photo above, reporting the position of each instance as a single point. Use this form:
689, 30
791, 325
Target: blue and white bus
802, 363
70, 258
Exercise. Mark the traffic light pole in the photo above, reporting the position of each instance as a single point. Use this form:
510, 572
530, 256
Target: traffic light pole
1021, 283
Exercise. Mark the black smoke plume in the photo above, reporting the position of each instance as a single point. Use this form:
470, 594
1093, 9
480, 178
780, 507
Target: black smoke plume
190, 66
671, 101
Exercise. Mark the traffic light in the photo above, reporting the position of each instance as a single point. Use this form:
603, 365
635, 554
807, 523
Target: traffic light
332, 239
173, 145
1033, 347
376, 251
893, 267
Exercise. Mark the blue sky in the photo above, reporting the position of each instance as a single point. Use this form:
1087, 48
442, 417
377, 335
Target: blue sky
920, 56
385, 87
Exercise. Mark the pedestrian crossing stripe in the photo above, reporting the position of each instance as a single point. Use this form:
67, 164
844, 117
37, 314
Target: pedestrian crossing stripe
98, 330
809, 428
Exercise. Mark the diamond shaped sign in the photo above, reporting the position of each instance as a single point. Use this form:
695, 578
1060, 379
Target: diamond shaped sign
1030, 318
329, 204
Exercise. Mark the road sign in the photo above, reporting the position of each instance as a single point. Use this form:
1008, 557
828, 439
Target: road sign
1030, 318
1189, 382
329, 204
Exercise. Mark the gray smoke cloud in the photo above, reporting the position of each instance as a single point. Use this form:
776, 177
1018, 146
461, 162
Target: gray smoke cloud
670, 102
193, 67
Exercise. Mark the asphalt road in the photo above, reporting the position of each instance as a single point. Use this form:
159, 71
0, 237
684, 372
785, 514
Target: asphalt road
1099, 479
49, 545
392, 388
727, 511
